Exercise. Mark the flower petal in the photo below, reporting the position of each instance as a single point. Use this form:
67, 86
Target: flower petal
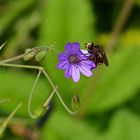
68, 71
85, 52
72, 48
75, 47
62, 56
75, 73
62, 65
88, 63
85, 71
68, 48
82, 57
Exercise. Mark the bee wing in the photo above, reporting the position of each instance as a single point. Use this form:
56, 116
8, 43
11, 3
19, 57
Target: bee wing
104, 57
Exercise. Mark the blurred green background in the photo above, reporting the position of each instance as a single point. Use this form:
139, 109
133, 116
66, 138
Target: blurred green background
110, 100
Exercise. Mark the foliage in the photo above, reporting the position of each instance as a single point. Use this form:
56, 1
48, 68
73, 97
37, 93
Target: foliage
110, 100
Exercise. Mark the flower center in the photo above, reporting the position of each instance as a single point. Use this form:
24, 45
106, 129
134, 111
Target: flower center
73, 59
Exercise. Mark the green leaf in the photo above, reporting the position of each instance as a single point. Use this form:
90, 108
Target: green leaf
118, 83
16, 86
123, 126
7, 17
23, 28
130, 38
137, 2
65, 21
5, 123
4, 100
61, 126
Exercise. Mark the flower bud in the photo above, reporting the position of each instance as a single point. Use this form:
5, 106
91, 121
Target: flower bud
29, 54
28, 50
40, 111
40, 56
75, 102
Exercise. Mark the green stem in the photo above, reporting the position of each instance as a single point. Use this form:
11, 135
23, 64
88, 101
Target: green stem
12, 59
57, 93
64, 105
31, 95
3, 63
20, 66
1, 47
45, 105
5, 123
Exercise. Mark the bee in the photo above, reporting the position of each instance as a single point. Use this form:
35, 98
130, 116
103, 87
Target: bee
96, 54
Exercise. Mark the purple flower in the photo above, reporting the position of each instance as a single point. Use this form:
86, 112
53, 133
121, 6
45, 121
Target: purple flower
74, 62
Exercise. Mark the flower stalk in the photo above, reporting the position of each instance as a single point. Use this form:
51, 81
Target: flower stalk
41, 70
31, 95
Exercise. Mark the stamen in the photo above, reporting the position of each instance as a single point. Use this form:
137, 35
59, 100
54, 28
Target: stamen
73, 59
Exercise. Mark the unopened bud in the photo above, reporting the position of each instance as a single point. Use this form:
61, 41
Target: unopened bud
29, 54
40, 111
75, 102
28, 50
40, 56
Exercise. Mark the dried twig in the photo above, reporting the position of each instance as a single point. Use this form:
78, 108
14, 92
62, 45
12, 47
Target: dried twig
120, 23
